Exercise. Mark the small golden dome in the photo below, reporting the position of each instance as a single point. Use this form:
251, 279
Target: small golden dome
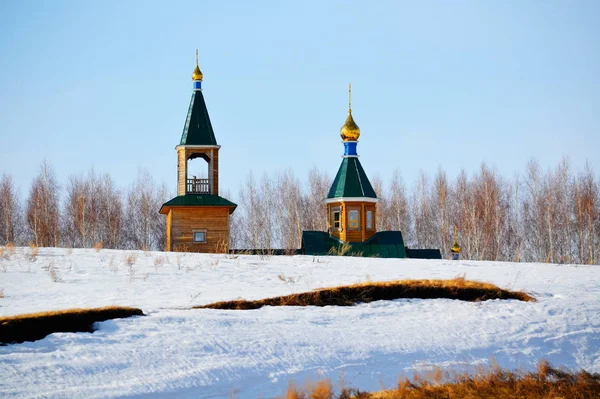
350, 130
197, 74
455, 248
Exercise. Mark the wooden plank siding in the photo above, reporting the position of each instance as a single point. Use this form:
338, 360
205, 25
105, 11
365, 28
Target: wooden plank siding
183, 221
353, 235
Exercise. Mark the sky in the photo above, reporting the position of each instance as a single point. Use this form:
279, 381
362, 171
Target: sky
107, 84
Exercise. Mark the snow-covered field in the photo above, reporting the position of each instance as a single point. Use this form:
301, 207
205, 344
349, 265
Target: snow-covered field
177, 352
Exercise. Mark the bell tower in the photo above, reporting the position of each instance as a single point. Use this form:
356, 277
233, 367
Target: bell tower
351, 202
198, 218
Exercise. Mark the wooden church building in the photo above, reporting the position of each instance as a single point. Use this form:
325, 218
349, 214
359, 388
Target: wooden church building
198, 218
352, 211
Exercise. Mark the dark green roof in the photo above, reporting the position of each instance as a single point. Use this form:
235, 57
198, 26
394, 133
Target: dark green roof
198, 129
199, 200
351, 181
423, 253
383, 244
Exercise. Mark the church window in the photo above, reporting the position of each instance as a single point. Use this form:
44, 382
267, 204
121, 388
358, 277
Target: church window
369, 220
200, 236
353, 219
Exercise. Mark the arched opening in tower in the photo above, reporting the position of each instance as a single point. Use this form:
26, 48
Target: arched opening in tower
198, 174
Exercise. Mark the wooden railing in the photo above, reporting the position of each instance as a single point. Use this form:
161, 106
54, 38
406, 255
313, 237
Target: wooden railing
197, 186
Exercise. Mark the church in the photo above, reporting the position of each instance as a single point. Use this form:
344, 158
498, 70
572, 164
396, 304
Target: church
198, 218
352, 210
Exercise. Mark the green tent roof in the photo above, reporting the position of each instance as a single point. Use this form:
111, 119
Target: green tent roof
351, 181
198, 129
199, 200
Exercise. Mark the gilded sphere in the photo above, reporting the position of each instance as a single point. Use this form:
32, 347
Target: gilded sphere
455, 248
197, 74
350, 130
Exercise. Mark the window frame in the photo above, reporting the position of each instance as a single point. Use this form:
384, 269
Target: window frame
333, 211
350, 211
369, 221
204, 231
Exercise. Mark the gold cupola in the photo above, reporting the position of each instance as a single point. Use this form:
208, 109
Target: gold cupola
455, 248
350, 130
197, 74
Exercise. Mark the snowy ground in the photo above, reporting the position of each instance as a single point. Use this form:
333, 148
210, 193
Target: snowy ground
177, 352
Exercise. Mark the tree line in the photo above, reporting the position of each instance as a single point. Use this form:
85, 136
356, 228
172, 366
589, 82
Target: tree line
540, 215
93, 212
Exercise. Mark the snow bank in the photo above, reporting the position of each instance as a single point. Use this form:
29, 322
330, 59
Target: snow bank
177, 352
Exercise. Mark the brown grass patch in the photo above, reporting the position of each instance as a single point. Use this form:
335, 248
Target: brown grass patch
349, 295
546, 382
98, 246
34, 326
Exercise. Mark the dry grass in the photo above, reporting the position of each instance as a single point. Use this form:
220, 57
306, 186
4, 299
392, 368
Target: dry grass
546, 382
53, 272
98, 246
1, 293
322, 389
7, 250
33, 252
34, 326
349, 295
130, 259
158, 262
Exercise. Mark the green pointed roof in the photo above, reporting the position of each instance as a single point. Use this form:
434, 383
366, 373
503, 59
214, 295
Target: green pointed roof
351, 181
198, 129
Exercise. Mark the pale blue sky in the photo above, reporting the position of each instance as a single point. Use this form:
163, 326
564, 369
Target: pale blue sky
451, 83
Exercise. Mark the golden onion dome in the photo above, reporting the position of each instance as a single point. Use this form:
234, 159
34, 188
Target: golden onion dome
455, 248
197, 74
350, 130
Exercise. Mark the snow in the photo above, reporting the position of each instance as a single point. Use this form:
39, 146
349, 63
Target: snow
178, 352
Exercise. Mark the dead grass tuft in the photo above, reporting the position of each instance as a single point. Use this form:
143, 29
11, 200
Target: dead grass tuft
458, 288
546, 382
321, 390
34, 326
98, 246
33, 252
53, 272
10, 248
158, 262
1, 293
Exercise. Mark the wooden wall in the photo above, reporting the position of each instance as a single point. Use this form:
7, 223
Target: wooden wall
183, 221
353, 235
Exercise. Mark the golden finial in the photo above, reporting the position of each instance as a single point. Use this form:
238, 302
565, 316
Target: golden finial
349, 97
350, 130
197, 74
455, 248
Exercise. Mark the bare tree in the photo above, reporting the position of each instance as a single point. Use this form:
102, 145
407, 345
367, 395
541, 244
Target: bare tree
398, 208
141, 216
9, 210
110, 214
288, 210
382, 215
422, 209
314, 207
42, 208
